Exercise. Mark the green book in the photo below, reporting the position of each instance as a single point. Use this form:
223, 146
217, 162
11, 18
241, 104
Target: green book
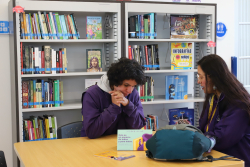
31, 25
146, 28
53, 126
58, 25
56, 93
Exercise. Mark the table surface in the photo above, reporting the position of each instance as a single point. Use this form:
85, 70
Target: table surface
74, 152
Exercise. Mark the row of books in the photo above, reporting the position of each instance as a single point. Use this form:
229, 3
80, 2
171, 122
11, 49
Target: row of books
146, 91
146, 55
49, 25
40, 128
142, 26
176, 87
39, 93
47, 61
181, 116
151, 122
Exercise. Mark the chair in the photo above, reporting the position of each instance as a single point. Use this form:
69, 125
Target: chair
70, 130
2, 160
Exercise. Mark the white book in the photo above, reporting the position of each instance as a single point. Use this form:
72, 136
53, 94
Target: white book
40, 20
28, 26
53, 24
53, 61
50, 127
36, 60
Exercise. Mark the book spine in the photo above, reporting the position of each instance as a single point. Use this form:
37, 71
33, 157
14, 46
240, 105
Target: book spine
25, 25
31, 59
37, 26
25, 97
21, 50
31, 27
65, 65
56, 92
155, 18
60, 62
70, 30
57, 62
67, 27
41, 25
42, 62
44, 26
61, 92
58, 25
49, 26
28, 26
47, 58
52, 24
75, 26
72, 27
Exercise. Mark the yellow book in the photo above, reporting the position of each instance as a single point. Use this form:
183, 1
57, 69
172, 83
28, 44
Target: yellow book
25, 25
181, 56
65, 62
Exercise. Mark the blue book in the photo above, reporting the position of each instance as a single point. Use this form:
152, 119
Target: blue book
181, 87
234, 65
176, 116
171, 85
54, 17
43, 93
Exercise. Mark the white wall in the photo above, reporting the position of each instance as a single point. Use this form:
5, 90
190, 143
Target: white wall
5, 98
225, 48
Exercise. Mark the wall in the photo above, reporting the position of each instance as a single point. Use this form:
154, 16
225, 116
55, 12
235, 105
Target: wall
223, 6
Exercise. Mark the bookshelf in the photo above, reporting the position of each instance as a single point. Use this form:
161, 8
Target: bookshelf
206, 23
73, 80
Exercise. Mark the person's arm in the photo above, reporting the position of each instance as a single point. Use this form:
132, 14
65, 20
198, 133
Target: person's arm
230, 129
134, 113
96, 122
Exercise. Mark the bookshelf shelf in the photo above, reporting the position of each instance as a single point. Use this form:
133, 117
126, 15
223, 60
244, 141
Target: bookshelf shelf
70, 106
169, 40
164, 101
69, 74
69, 40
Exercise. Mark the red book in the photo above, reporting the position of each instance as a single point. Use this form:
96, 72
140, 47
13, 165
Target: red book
146, 52
49, 25
71, 32
29, 130
129, 52
60, 62
21, 48
25, 97
57, 62
141, 92
42, 62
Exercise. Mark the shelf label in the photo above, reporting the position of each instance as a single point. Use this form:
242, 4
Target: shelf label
4, 27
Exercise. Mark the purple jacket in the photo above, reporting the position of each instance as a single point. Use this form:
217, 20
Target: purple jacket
230, 126
102, 117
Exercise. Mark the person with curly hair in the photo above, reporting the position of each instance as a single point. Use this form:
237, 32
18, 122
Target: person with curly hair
113, 103
94, 65
225, 117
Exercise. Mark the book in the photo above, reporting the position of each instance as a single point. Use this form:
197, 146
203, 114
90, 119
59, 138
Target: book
182, 56
184, 26
176, 87
133, 139
94, 60
93, 27
114, 155
181, 116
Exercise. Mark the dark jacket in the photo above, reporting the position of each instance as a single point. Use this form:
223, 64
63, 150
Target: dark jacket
230, 126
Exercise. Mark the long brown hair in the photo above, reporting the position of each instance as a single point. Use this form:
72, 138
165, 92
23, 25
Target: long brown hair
216, 68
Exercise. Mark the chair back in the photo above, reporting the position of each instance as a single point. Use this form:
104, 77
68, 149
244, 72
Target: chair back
70, 130
2, 160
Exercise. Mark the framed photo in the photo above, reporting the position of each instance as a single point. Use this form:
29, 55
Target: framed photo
94, 60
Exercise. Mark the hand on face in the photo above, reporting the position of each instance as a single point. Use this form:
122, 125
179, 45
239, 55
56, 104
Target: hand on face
118, 98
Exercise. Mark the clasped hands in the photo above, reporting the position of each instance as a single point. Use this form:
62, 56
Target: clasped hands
118, 98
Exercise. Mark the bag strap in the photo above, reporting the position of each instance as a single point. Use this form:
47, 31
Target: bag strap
210, 158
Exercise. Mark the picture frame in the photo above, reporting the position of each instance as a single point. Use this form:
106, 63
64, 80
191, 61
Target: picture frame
94, 60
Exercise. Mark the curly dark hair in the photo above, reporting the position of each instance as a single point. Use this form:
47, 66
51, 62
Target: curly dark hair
125, 69
216, 68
